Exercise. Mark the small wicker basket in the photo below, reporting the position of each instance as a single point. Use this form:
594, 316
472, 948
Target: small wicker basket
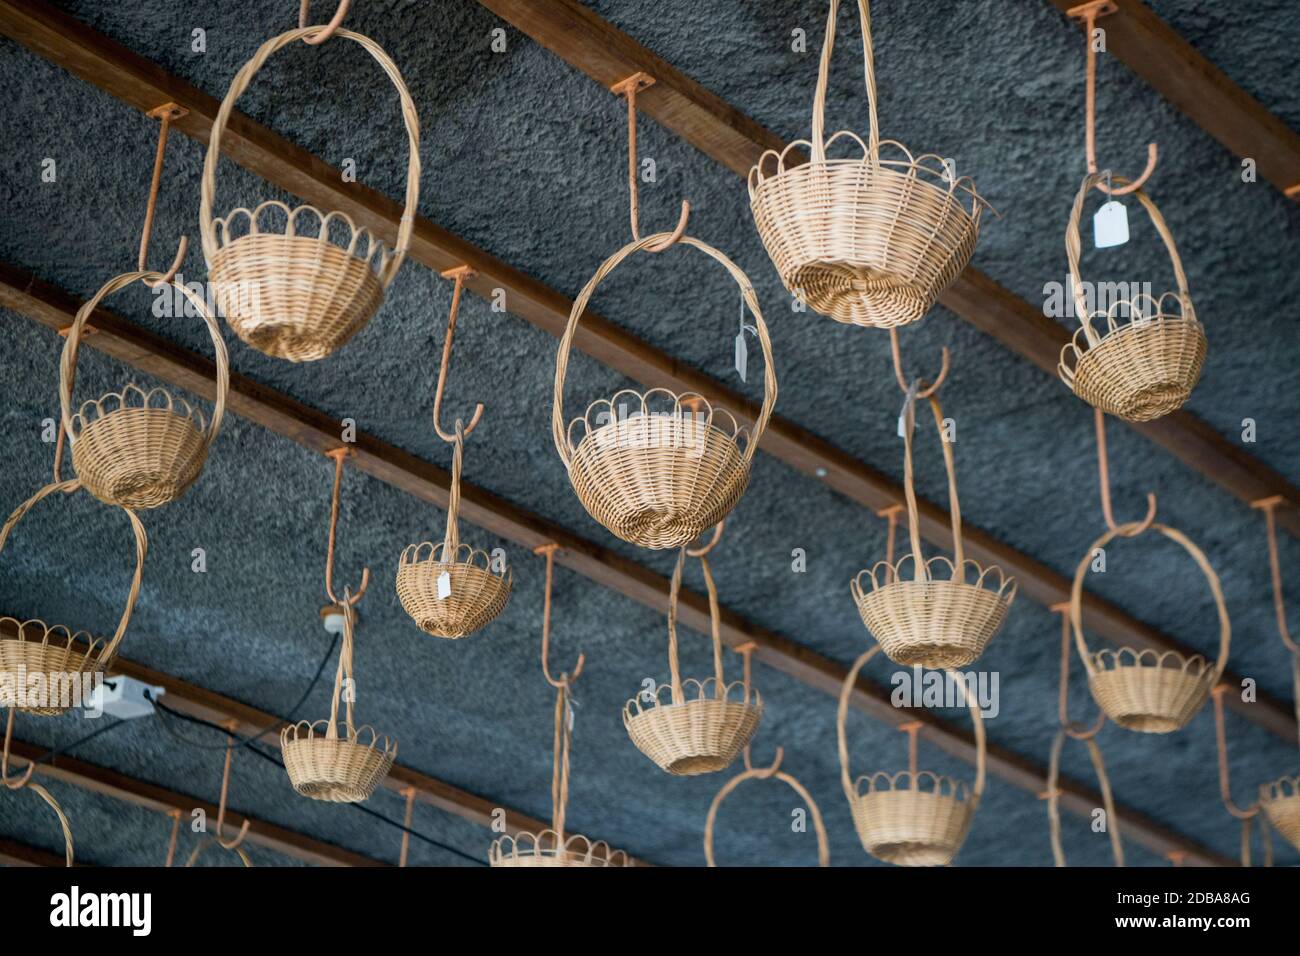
658, 477
866, 240
53, 656
932, 621
1146, 691
137, 448
1147, 366
326, 765
550, 849
293, 294
910, 818
1280, 801
702, 725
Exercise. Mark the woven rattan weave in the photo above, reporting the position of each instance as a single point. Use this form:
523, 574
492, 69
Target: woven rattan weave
1280, 801
1149, 691
913, 817
36, 656
1146, 362
661, 468
298, 283
137, 448
871, 239
24, 781
929, 620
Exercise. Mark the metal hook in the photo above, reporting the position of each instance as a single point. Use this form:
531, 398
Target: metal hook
349, 599
911, 728
330, 27
629, 87
1103, 474
1221, 744
409, 794
713, 541
166, 113
221, 806
14, 783
459, 274
902, 379
1088, 13
566, 679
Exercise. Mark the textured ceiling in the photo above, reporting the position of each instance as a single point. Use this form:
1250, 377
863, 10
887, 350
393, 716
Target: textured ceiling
524, 157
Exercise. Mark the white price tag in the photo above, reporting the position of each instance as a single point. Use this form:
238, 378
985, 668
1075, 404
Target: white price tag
1110, 225
909, 405
444, 585
742, 355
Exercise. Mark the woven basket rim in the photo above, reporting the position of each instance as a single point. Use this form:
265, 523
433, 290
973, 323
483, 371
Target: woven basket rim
1081, 343
70, 636
526, 844
376, 254
306, 731
1282, 789
696, 419
893, 576
705, 692
430, 552
884, 782
1111, 660
96, 410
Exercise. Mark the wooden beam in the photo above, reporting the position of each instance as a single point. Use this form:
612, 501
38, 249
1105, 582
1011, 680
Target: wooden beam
592, 45
119, 786
1173, 68
118, 338
17, 854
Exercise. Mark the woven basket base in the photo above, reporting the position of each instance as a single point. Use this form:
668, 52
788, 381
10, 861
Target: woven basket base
477, 597
932, 624
139, 457
861, 296
1140, 372
293, 297
1150, 700
911, 827
1284, 816
658, 482
697, 736
21, 658
336, 771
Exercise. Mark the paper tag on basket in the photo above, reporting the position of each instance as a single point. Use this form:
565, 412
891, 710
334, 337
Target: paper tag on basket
444, 585
909, 404
742, 355
1110, 225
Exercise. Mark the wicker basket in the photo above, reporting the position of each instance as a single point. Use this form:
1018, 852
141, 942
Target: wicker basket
332, 763
700, 726
1146, 691
658, 476
767, 773
932, 621
294, 293
549, 849
1280, 801
911, 818
868, 240
60, 659
1147, 365
137, 448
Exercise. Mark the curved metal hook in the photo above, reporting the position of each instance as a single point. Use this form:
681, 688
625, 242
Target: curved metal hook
166, 113
330, 27
221, 806
566, 679
903, 384
1103, 474
713, 541
629, 88
459, 274
349, 599
13, 783
1221, 743
763, 773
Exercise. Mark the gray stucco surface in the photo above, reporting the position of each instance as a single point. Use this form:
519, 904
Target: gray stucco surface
524, 157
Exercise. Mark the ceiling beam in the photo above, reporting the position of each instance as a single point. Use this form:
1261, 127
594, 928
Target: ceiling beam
594, 46
119, 786
279, 413
1173, 68
13, 853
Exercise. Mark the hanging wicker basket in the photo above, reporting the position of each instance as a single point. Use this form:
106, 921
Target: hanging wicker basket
910, 818
138, 448
1146, 691
547, 849
297, 283
870, 239
932, 620
691, 727
658, 469
1280, 801
337, 764
53, 656
1145, 364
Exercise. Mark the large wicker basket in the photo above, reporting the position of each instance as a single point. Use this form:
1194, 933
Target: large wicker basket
138, 448
658, 476
55, 662
866, 240
1148, 691
932, 621
691, 727
294, 293
910, 818
1280, 801
1145, 364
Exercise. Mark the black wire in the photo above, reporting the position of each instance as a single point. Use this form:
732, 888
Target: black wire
54, 753
270, 758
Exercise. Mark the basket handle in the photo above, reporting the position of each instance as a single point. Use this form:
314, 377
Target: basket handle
580, 306
451, 539
761, 773
1107, 799
141, 549
211, 841
1173, 534
239, 84
823, 81
72, 347
920, 571
1074, 246
344, 672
